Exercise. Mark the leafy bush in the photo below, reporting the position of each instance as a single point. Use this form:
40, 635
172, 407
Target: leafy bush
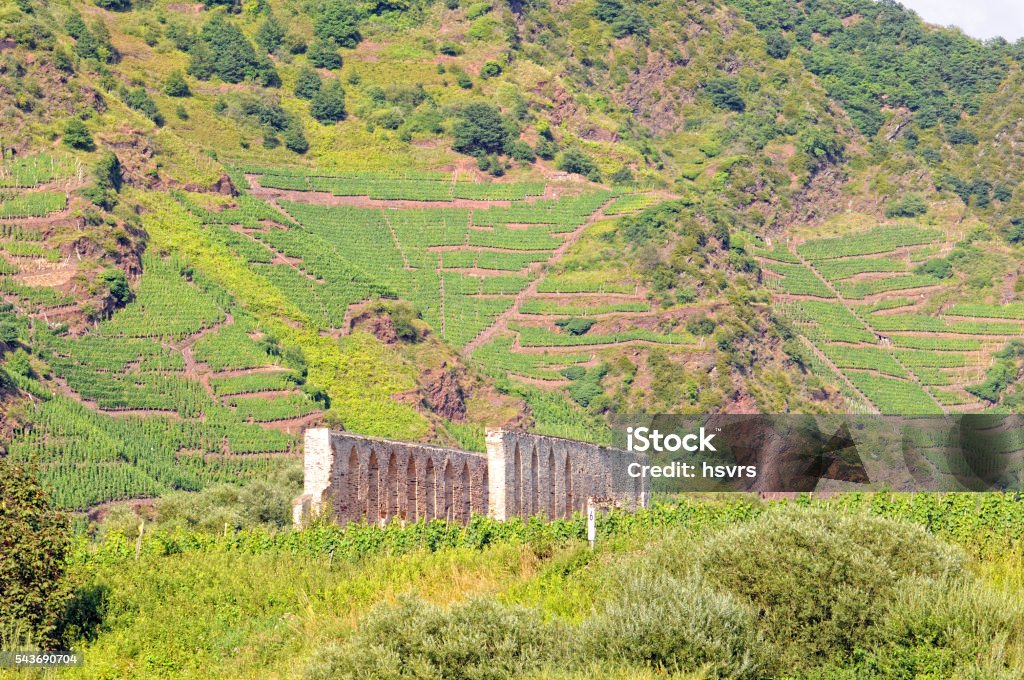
820, 582
677, 625
222, 50
623, 19
490, 69
700, 326
724, 93
959, 135
451, 49
328, 105
138, 99
939, 268
338, 22
574, 160
322, 54
33, 587
414, 639
479, 129
175, 85
575, 325
307, 83
77, 135
270, 34
911, 205
520, 151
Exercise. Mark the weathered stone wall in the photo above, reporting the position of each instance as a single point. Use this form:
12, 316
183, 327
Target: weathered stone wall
532, 475
355, 477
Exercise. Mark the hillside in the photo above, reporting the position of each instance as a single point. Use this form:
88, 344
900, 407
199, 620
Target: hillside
222, 223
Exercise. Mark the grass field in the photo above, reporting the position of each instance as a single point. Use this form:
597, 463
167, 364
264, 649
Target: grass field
873, 574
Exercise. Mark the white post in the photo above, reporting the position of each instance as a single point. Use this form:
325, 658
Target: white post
591, 524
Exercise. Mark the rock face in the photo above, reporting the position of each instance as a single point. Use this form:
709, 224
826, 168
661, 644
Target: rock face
444, 394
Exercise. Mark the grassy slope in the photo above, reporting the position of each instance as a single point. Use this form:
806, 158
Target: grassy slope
267, 612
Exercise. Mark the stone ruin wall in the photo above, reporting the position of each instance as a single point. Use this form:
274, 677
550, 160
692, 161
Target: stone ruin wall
521, 475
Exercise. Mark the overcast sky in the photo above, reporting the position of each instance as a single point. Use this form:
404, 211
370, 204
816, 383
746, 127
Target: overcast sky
978, 18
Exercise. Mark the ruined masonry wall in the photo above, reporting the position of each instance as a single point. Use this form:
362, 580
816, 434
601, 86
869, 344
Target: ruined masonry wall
521, 475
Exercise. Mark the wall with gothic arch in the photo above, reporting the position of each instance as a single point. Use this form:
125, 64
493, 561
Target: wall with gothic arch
357, 478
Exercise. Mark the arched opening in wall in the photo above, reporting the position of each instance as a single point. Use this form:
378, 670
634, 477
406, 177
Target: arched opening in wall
350, 488
516, 485
412, 498
429, 491
534, 483
551, 486
373, 489
449, 480
391, 488
568, 487
465, 508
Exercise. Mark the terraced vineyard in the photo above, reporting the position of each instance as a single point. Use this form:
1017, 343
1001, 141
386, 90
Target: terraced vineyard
177, 390
869, 326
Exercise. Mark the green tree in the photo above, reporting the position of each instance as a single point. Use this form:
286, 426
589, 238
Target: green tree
223, 50
725, 94
34, 589
114, 281
322, 54
77, 136
480, 129
328, 106
175, 85
575, 161
114, 5
294, 138
338, 23
270, 34
307, 83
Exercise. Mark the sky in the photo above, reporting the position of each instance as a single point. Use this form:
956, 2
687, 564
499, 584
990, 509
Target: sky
978, 18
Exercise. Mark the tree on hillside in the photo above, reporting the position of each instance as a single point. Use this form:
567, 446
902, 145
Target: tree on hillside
176, 86
328, 105
222, 50
270, 34
323, 54
338, 22
34, 547
479, 129
307, 83
77, 136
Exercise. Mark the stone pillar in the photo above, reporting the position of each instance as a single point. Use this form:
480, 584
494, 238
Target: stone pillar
318, 462
497, 472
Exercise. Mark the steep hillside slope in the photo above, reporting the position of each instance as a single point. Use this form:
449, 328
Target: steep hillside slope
222, 223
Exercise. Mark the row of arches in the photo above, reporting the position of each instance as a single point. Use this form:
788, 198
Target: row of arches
542, 484
389, 484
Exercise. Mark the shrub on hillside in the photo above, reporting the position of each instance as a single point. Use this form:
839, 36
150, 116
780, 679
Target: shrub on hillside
176, 86
911, 205
328, 105
307, 83
77, 136
222, 50
33, 587
471, 640
323, 54
677, 625
820, 582
724, 93
480, 129
574, 160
